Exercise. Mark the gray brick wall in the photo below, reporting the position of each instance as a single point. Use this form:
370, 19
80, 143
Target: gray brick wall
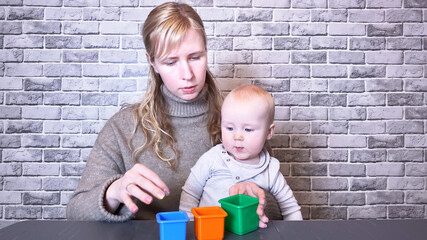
348, 77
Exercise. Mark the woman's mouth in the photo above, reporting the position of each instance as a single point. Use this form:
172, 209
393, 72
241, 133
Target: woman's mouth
188, 90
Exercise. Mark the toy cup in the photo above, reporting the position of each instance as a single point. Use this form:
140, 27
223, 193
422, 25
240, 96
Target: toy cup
209, 223
242, 217
173, 225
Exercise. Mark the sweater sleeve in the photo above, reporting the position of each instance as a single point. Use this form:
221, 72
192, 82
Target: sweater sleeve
104, 166
193, 188
282, 192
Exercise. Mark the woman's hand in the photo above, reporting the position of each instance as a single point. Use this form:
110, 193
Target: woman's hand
139, 182
251, 189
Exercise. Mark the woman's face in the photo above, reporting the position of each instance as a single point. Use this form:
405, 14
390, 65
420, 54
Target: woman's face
183, 70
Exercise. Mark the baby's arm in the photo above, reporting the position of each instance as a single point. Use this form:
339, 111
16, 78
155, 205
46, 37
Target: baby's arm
282, 192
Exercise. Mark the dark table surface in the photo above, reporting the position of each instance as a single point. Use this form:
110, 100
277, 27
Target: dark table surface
289, 230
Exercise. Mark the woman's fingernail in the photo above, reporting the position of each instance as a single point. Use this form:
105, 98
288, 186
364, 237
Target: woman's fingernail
160, 195
147, 200
166, 192
134, 209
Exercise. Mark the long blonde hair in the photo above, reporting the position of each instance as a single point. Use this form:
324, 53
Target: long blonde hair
164, 27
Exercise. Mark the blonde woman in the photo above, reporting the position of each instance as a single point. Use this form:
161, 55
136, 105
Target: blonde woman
144, 153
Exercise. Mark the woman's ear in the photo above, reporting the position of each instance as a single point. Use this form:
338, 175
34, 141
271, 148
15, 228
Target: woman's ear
150, 62
270, 131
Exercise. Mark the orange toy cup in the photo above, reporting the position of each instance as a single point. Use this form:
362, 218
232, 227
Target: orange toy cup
209, 222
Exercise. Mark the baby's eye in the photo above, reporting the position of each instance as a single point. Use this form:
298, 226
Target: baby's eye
248, 130
229, 128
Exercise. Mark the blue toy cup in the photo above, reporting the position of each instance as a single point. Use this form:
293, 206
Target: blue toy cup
172, 225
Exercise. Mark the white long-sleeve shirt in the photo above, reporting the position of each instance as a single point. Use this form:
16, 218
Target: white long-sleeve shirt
216, 171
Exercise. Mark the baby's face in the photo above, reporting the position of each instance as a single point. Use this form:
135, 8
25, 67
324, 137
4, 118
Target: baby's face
244, 128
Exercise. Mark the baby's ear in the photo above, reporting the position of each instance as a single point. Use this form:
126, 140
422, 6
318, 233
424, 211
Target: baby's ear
270, 131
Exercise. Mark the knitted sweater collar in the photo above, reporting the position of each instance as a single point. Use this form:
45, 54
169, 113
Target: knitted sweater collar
178, 107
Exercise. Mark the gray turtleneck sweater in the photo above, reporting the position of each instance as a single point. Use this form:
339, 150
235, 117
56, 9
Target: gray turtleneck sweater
111, 157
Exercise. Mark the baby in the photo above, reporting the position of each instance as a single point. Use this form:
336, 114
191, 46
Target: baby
247, 117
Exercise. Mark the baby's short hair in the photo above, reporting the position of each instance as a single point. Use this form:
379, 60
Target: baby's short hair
248, 92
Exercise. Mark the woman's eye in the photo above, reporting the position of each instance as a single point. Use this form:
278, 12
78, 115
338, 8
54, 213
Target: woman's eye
170, 63
195, 57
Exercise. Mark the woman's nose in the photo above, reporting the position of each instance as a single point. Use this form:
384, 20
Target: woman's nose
185, 71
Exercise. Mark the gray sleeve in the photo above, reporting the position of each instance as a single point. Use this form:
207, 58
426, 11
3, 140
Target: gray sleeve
282, 192
104, 166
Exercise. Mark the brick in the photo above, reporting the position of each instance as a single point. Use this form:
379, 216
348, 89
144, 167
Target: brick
134, 70
378, 113
101, 70
128, 42
270, 29
292, 127
115, 56
40, 169
368, 184
385, 169
404, 155
292, 43
367, 127
345, 169
252, 43
11, 83
40, 198
300, 155
282, 113
367, 71
308, 141
329, 15
273, 85
22, 184
262, 3
72, 169
11, 55
412, 141
416, 112
347, 141
307, 114
24, 127
258, 57
372, 212
308, 29
78, 141
92, 127
80, 84
328, 213
415, 29
41, 27
80, 56
10, 169
415, 85
36, 112
414, 4
78, 28
416, 169
329, 127
329, 71
233, 29
11, 28
54, 212
328, 100
23, 41
63, 42
405, 183
252, 71
406, 211
61, 155
405, 99
405, 127
10, 141
347, 3
42, 84
61, 98
291, 15
60, 183
62, 70
23, 70
363, 99
40, 141
97, 99
364, 156
9, 197
384, 57
249, 15
329, 184
108, 14
347, 199
367, 43
403, 15
416, 197
309, 85
309, 169
291, 71
220, 44
311, 198
344, 57
347, 113
216, 14
23, 98
63, 13
25, 14
310, 4
384, 85
384, 4
347, 29
308, 57
384, 30
385, 141
416, 58
22, 212
65, 197
299, 184
346, 86
366, 15
404, 43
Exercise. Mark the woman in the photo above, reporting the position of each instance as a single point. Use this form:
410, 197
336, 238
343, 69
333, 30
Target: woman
144, 153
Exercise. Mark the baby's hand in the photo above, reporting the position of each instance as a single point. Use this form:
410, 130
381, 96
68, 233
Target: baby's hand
251, 189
